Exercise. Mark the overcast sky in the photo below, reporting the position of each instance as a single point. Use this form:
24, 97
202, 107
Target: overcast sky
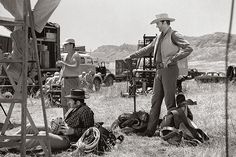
113, 22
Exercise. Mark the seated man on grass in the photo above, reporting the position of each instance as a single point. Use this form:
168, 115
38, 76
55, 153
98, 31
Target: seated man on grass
77, 120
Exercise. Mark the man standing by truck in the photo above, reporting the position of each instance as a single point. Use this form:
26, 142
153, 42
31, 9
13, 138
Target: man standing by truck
69, 78
168, 50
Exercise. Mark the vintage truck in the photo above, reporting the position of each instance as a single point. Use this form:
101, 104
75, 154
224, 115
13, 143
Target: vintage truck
101, 73
48, 44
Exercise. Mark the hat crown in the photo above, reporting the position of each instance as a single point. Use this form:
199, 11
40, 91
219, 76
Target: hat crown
77, 92
70, 40
163, 15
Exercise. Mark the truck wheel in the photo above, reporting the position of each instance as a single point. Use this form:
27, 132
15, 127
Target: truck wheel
109, 81
97, 84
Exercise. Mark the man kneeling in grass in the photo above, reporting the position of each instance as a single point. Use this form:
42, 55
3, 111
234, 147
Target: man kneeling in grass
77, 120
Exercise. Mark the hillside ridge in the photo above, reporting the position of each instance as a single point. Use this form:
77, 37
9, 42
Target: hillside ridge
209, 47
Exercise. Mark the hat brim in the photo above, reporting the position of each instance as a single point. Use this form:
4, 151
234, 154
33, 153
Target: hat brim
162, 19
65, 43
77, 97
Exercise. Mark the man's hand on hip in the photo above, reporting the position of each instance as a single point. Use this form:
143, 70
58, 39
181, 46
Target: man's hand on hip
166, 63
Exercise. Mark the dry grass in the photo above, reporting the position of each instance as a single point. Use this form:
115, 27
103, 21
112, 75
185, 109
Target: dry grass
209, 115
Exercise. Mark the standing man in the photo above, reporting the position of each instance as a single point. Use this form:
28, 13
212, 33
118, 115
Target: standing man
167, 50
82, 79
89, 80
70, 79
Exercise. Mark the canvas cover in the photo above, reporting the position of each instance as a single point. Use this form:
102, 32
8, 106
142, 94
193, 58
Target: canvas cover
43, 9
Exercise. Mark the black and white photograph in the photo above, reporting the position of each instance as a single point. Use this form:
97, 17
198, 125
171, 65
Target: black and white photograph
117, 78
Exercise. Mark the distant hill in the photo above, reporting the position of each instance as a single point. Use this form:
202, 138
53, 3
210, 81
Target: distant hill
210, 47
112, 52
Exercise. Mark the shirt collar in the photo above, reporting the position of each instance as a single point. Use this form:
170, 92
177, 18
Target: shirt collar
164, 33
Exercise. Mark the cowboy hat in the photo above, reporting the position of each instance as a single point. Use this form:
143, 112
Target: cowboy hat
67, 41
56, 74
162, 17
77, 94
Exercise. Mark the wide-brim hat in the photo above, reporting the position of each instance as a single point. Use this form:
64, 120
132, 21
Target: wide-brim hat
67, 41
162, 17
56, 74
77, 94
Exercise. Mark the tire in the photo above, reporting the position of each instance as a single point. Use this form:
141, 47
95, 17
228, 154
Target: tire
109, 81
97, 84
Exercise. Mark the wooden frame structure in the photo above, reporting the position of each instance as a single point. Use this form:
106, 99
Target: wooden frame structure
20, 96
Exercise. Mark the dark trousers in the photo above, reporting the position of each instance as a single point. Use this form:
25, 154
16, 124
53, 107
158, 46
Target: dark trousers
164, 87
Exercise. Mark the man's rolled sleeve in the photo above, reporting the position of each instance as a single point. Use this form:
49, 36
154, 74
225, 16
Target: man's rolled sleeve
185, 50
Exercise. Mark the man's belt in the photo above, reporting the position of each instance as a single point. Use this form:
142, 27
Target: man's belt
161, 65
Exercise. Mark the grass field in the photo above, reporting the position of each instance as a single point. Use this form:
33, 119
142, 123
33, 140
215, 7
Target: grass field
209, 115
203, 66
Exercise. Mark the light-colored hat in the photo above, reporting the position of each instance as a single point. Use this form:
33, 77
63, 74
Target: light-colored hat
67, 41
56, 74
162, 17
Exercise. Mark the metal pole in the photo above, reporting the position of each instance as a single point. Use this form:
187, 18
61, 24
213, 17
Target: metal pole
23, 89
226, 82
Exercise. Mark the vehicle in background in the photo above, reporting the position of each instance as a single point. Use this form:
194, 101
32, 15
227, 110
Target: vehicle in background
211, 77
122, 72
48, 44
101, 73
192, 73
